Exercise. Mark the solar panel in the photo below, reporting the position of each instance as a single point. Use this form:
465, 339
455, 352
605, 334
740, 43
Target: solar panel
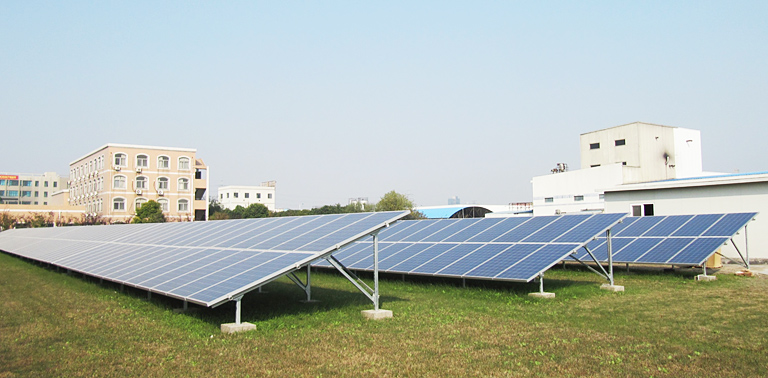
207, 263
675, 239
512, 249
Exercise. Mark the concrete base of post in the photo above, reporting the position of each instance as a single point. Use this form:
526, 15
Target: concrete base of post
614, 288
376, 314
234, 327
541, 295
702, 277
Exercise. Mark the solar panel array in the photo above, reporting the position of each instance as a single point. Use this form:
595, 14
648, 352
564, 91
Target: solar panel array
674, 239
511, 249
207, 263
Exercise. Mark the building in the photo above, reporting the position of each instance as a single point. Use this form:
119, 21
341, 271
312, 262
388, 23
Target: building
731, 193
232, 196
30, 189
626, 154
113, 181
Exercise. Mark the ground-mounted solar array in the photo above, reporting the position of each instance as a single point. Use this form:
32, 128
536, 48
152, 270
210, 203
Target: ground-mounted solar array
511, 249
686, 240
207, 263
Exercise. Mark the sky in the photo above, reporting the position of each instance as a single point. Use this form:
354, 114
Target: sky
344, 99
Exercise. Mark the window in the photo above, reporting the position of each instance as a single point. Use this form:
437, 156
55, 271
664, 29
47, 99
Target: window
142, 161
623, 163
26, 183
183, 206
258, 195
620, 142
163, 162
235, 194
163, 204
141, 182
37, 194
602, 196
549, 200
55, 184
183, 163
26, 193
2, 193
13, 182
183, 184
120, 160
45, 194
269, 195
227, 195
247, 195
162, 183
119, 183
45, 184
37, 183
222, 195
139, 202
642, 210
594, 146
578, 198
118, 204
594, 165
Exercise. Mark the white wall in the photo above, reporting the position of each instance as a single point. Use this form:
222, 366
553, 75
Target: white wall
733, 198
226, 196
562, 187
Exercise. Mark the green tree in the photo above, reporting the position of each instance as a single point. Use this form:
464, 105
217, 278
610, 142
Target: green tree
149, 212
214, 207
393, 201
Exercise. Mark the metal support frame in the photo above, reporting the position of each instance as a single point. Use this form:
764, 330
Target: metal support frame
744, 259
604, 274
541, 282
371, 293
237, 309
306, 287
608, 275
610, 255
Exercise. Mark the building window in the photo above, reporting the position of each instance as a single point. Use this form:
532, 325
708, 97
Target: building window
227, 195
602, 196
37, 194
26, 193
55, 184
183, 163
594, 146
141, 182
139, 202
118, 204
120, 160
163, 204
644, 210
142, 161
258, 195
45, 184
549, 200
37, 183
163, 162
183, 206
623, 163
578, 198
26, 183
247, 195
235, 194
221, 195
119, 183
619, 142
594, 165
13, 182
269, 195
45, 194
162, 183
183, 184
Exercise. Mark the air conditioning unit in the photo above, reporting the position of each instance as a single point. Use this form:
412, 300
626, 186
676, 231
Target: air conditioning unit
138, 191
160, 192
138, 170
117, 168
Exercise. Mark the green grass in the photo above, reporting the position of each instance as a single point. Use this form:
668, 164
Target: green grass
664, 325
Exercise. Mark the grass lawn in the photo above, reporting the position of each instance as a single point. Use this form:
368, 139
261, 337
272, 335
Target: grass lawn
664, 325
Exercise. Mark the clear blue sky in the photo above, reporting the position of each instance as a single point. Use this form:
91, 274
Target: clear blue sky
353, 99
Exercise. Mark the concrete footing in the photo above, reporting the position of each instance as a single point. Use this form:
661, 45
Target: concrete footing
614, 288
234, 327
542, 295
376, 314
702, 277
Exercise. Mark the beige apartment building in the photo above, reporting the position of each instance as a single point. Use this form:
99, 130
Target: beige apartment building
115, 180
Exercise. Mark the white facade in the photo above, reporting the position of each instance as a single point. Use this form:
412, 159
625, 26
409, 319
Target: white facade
232, 196
626, 154
716, 194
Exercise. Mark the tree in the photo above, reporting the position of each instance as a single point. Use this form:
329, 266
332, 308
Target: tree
393, 201
149, 212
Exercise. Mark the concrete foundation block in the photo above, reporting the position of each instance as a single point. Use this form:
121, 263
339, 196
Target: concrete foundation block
542, 295
614, 288
702, 277
376, 314
234, 327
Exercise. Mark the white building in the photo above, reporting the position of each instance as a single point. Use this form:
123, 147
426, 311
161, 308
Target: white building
735, 193
232, 196
626, 154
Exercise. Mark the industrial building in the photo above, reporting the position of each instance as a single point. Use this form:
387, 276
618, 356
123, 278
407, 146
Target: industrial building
232, 196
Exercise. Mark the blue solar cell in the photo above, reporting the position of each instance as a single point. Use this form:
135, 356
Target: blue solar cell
456, 225
450, 256
543, 259
413, 262
385, 252
525, 229
668, 225
697, 225
401, 232
495, 230
433, 227
557, 228
472, 260
474, 229
730, 224
500, 263
634, 249
639, 227
664, 250
394, 230
698, 251
404, 253
595, 225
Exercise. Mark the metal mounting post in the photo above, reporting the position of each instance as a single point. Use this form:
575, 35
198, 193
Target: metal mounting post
610, 256
376, 271
541, 283
746, 245
237, 309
